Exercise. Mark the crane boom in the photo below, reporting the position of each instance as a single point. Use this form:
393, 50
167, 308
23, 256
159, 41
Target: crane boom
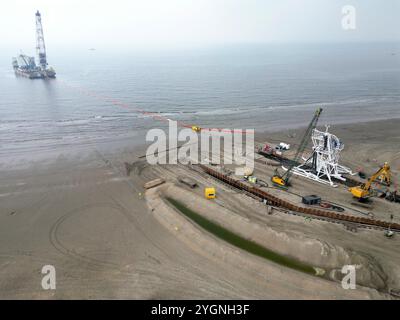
283, 180
40, 46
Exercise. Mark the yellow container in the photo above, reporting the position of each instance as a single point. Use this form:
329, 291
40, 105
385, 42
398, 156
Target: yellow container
209, 193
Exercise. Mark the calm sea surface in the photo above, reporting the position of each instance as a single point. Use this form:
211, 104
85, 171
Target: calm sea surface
269, 87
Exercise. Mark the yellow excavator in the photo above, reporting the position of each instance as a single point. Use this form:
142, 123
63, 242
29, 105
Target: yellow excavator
365, 191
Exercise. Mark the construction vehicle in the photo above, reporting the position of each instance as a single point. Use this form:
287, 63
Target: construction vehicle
251, 179
282, 146
196, 128
209, 193
365, 191
283, 180
268, 150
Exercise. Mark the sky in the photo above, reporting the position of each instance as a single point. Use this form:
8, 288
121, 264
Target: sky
134, 24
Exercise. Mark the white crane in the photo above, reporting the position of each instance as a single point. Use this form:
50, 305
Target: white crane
41, 48
323, 165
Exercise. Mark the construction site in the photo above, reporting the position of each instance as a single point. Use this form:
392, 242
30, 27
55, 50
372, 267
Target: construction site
313, 202
318, 199
316, 194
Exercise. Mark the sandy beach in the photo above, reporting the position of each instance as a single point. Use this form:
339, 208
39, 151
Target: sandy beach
108, 238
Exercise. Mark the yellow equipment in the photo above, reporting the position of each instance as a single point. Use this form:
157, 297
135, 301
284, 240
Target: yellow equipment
365, 191
209, 193
385, 176
196, 128
278, 180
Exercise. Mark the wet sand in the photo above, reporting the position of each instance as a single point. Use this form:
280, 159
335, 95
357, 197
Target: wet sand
80, 212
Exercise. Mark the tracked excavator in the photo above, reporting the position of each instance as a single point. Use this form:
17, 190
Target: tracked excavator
365, 191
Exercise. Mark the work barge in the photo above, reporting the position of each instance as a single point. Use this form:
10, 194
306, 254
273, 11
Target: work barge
26, 66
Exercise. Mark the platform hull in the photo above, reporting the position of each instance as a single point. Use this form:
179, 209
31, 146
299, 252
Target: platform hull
35, 74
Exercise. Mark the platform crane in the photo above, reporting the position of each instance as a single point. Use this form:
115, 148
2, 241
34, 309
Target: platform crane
283, 180
46, 71
40, 46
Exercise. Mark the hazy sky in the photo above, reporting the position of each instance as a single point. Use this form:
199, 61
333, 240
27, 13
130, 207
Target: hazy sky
184, 23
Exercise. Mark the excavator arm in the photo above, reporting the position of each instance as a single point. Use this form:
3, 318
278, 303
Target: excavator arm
384, 171
363, 191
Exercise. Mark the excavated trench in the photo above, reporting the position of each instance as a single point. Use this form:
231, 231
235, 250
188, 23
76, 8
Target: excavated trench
239, 241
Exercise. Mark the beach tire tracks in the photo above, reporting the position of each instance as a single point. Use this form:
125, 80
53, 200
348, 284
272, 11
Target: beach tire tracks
63, 249
136, 223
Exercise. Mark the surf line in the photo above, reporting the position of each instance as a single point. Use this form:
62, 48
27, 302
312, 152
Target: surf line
156, 116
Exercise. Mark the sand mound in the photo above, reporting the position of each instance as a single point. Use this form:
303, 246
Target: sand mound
320, 254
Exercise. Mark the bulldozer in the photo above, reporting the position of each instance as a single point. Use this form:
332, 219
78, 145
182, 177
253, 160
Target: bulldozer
365, 191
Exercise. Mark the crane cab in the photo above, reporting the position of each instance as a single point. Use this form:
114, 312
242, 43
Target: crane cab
360, 193
278, 181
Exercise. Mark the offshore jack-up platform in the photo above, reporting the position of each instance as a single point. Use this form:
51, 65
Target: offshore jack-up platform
25, 66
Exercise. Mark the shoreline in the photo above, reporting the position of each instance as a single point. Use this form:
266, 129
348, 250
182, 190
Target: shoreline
22, 159
79, 211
